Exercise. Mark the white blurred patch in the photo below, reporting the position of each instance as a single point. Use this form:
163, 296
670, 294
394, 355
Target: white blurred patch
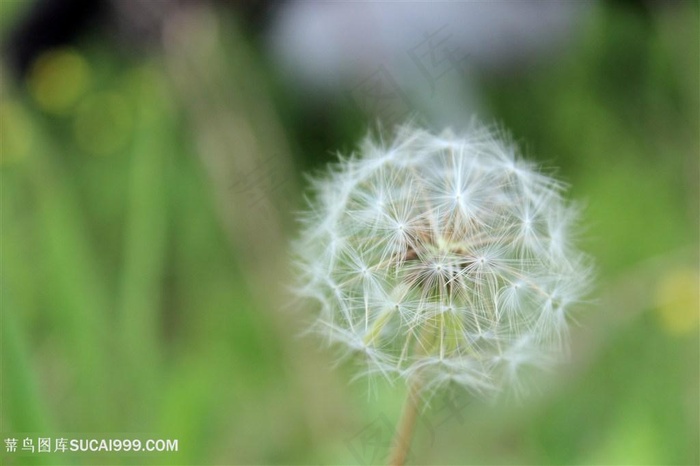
424, 54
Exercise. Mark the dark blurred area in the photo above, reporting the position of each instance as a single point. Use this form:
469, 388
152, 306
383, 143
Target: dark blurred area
47, 24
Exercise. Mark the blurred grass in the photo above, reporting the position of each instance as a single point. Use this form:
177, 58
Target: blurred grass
128, 307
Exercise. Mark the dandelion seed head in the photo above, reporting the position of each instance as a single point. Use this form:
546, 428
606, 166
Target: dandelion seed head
442, 255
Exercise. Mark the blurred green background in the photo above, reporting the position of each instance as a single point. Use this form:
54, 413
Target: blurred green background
148, 201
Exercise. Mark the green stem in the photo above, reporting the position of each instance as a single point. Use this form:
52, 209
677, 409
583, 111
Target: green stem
404, 433
401, 444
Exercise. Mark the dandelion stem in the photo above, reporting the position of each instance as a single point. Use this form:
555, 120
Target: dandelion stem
404, 430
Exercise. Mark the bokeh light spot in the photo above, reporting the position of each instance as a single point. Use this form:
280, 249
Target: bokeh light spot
58, 79
677, 301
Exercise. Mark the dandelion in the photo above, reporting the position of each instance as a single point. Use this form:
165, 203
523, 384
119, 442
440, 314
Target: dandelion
442, 259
